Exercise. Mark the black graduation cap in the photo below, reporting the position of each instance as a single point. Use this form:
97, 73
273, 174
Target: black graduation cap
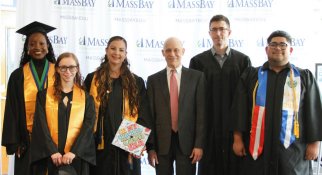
35, 27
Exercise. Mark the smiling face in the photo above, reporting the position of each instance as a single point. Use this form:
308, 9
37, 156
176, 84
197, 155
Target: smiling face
67, 76
220, 38
37, 46
173, 52
277, 56
116, 52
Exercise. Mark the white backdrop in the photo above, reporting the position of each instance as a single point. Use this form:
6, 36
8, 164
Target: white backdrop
85, 26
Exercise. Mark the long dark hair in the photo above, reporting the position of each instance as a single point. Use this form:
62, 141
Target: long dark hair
104, 81
25, 58
57, 82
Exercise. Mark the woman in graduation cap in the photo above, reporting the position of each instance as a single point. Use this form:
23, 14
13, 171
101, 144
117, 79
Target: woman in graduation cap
115, 90
35, 73
64, 122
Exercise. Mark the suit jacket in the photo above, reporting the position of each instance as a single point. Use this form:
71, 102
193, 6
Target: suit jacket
191, 113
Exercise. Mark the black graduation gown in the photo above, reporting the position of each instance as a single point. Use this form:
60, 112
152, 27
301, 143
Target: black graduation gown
113, 160
275, 159
15, 131
221, 85
42, 145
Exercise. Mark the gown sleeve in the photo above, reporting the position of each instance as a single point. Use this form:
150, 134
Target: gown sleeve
152, 145
84, 145
42, 145
313, 108
145, 118
200, 114
240, 106
14, 113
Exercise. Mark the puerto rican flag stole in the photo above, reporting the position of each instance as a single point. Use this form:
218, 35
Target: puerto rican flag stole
289, 111
258, 117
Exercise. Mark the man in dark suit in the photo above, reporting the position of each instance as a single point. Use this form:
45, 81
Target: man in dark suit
177, 99
222, 67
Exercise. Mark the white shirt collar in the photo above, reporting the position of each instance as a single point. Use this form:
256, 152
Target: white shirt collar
179, 69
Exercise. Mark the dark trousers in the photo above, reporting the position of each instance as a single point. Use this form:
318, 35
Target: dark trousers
183, 162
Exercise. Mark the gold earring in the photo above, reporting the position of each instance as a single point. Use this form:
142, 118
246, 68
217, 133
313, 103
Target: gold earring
28, 52
47, 51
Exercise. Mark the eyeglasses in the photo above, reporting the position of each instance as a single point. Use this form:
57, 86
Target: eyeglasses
64, 68
274, 45
221, 29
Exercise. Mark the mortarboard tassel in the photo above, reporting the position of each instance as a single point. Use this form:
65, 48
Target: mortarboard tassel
101, 138
130, 161
296, 130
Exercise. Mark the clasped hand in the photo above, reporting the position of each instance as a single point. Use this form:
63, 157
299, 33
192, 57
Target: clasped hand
59, 160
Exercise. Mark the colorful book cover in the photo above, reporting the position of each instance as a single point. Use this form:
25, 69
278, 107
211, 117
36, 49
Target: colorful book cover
131, 137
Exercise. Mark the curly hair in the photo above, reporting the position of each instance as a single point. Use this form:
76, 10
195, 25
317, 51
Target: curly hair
57, 82
25, 58
104, 82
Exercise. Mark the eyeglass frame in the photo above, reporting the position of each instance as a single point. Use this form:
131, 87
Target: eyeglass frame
277, 45
69, 67
221, 29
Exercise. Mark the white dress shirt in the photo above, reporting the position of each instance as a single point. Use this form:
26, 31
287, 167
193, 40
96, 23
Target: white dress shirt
177, 75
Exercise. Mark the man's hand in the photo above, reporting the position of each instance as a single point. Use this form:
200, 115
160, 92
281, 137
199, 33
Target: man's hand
68, 158
18, 152
57, 159
196, 155
312, 151
153, 158
238, 146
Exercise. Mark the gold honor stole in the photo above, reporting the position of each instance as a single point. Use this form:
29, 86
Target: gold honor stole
30, 92
75, 120
125, 112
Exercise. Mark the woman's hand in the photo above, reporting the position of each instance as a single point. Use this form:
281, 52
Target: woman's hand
68, 158
138, 157
57, 159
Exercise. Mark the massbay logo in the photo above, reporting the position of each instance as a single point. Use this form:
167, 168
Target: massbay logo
190, 4
23, 38
249, 3
92, 44
88, 41
55, 39
58, 42
79, 3
204, 43
152, 47
298, 42
207, 43
149, 43
299, 45
140, 4
235, 42
261, 42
